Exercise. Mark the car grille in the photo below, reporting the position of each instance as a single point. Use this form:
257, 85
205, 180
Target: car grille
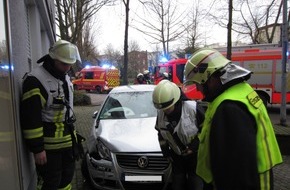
130, 161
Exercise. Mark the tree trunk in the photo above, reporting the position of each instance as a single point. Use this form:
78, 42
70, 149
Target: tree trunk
229, 41
124, 76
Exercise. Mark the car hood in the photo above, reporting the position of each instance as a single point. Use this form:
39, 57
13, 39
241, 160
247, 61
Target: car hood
129, 135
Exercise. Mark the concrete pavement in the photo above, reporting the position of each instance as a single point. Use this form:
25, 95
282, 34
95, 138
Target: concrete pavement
85, 122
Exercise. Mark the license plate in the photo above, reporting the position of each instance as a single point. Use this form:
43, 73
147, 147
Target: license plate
149, 178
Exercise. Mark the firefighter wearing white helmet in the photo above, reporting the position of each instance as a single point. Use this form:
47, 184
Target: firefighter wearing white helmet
177, 124
235, 125
146, 75
47, 116
140, 79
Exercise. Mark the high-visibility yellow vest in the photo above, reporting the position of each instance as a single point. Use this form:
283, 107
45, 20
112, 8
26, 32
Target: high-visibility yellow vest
267, 147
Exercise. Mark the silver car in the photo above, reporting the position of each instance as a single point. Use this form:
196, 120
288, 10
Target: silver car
123, 148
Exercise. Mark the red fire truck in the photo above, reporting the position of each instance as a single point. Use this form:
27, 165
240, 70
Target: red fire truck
263, 60
97, 78
175, 68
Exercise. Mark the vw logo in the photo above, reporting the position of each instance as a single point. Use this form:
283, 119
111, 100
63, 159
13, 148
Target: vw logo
142, 162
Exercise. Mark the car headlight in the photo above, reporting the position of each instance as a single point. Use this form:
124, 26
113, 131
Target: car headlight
104, 152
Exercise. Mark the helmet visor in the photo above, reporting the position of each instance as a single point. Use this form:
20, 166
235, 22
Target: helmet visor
163, 105
67, 53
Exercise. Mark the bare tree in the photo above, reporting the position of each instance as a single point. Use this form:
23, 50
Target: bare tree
125, 68
112, 57
72, 18
248, 17
89, 50
161, 22
133, 59
192, 34
229, 27
134, 46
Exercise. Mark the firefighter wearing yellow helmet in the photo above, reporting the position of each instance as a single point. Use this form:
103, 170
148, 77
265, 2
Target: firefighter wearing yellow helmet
177, 124
233, 153
47, 116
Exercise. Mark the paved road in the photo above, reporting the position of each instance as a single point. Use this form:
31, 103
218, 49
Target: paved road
85, 121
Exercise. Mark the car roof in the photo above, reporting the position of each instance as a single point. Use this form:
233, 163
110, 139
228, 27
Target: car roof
133, 88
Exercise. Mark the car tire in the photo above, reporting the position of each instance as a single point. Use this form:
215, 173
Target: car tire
98, 89
84, 168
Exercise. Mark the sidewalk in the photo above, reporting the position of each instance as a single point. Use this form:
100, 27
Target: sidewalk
281, 172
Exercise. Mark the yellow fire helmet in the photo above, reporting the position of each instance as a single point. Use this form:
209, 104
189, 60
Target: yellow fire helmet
165, 94
202, 64
65, 52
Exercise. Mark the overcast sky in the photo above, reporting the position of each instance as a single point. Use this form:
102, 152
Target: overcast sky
112, 28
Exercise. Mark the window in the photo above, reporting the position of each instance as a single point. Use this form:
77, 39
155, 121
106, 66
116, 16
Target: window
89, 75
8, 156
179, 72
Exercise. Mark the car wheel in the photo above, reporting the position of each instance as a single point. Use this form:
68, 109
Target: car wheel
98, 89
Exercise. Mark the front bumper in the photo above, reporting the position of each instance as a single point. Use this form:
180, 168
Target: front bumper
120, 175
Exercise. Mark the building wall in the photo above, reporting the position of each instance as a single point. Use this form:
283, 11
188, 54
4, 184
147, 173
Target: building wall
263, 35
27, 32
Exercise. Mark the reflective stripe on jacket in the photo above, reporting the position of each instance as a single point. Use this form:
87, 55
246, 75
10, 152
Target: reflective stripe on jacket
48, 130
267, 147
186, 128
54, 110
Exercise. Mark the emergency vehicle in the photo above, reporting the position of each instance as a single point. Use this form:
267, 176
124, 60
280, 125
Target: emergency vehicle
175, 69
264, 60
97, 78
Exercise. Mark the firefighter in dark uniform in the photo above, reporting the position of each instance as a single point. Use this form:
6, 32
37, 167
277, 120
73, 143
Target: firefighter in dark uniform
47, 117
238, 148
140, 79
177, 124
147, 78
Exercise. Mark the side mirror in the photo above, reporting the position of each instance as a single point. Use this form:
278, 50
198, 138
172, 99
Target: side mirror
95, 115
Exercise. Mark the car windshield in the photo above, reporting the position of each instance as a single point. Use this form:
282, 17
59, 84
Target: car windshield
128, 105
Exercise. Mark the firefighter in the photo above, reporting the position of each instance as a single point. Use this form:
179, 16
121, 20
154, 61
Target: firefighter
238, 147
177, 124
166, 76
146, 75
47, 117
140, 79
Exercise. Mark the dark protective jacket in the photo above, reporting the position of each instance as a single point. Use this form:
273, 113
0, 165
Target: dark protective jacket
46, 100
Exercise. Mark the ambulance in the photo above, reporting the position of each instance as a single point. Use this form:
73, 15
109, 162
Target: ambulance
264, 60
96, 78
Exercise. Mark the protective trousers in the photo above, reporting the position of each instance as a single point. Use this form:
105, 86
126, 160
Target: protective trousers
58, 172
183, 173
